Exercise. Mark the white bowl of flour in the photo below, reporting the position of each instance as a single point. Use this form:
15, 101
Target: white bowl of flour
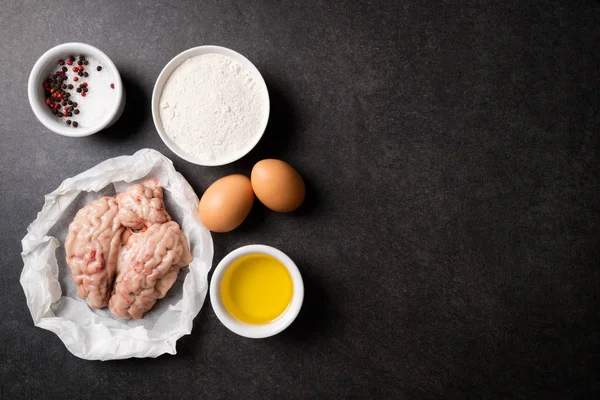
210, 105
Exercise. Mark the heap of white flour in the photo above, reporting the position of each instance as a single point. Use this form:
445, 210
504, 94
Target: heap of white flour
212, 107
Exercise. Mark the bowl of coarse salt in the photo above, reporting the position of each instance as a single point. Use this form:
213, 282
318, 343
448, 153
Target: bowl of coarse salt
75, 90
210, 105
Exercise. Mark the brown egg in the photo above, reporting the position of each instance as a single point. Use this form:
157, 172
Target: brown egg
277, 185
226, 203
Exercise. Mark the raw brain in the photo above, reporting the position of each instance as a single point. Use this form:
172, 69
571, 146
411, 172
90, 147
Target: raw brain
147, 268
142, 205
133, 238
92, 247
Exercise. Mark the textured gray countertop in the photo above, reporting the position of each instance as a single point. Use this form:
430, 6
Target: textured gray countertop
450, 239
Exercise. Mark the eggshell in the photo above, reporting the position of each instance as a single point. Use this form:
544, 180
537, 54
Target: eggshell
278, 185
226, 203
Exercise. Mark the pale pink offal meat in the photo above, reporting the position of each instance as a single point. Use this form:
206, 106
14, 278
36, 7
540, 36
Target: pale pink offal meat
147, 268
92, 248
124, 269
142, 205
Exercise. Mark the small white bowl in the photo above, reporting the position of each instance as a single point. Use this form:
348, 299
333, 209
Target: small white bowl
262, 330
164, 77
46, 65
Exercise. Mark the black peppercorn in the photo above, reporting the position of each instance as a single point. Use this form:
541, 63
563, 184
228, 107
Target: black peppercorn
75, 124
70, 86
76, 112
68, 122
78, 90
98, 68
86, 62
84, 89
69, 114
86, 74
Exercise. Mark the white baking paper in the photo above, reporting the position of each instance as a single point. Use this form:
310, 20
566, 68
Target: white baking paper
52, 295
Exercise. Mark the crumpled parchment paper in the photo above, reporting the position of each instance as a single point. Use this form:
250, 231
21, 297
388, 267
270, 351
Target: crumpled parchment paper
52, 295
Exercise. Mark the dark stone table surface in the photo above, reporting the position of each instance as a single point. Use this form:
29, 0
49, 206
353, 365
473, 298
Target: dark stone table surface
450, 239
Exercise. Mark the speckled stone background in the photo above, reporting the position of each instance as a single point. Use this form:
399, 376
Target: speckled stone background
450, 240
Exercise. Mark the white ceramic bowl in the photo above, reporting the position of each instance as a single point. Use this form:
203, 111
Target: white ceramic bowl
46, 65
263, 330
164, 77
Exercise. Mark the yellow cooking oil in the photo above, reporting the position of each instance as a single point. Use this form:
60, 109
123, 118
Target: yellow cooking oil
256, 289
